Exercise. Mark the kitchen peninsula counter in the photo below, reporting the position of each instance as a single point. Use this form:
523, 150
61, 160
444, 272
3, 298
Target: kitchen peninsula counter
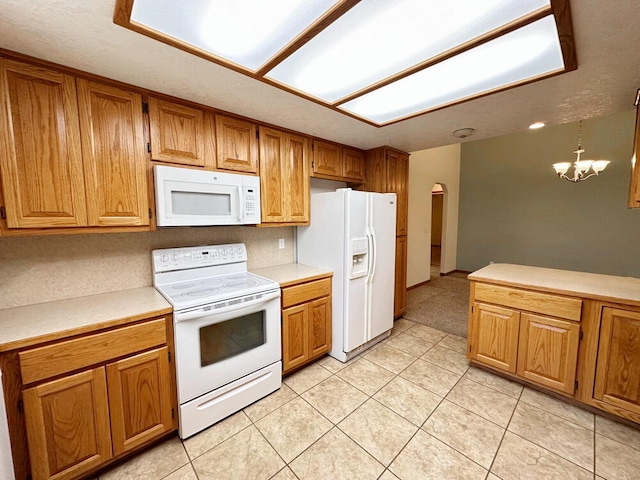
43, 322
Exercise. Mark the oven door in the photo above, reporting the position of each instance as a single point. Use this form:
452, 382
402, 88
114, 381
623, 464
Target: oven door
215, 348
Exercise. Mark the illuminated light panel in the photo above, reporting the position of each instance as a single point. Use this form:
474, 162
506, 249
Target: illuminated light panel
536, 125
526, 53
379, 38
244, 32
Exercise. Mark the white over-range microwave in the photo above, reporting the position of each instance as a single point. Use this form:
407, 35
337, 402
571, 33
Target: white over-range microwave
190, 197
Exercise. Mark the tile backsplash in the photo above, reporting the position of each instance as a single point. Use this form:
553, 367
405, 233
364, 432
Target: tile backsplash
37, 269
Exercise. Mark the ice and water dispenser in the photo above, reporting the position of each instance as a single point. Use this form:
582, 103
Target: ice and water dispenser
359, 257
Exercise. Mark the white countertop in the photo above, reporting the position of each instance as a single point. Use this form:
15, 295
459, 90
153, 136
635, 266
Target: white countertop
31, 324
582, 284
292, 273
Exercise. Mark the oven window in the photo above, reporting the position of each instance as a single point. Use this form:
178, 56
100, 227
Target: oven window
232, 337
200, 203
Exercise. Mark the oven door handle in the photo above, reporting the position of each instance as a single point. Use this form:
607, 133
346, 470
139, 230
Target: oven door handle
203, 311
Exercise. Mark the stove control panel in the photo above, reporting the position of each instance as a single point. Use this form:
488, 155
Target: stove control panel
169, 259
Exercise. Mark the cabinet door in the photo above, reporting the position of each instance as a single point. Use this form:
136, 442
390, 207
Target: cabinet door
397, 179
68, 425
548, 351
295, 334
634, 186
493, 336
617, 381
177, 133
139, 399
326, 159
113, 149
40, 160
272, 175
319, 327
353, 164
297, 179
376, 171
237, 145
400, 296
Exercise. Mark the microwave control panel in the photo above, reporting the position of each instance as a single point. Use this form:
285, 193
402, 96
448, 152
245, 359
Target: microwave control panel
251, 196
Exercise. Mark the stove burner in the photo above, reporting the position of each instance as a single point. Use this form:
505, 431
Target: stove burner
182, 286
200, 293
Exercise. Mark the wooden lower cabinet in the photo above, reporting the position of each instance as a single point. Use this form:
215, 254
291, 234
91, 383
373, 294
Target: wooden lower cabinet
306, 322
493, 336
400, 282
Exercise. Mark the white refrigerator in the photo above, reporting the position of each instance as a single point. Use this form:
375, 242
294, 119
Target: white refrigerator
353, 233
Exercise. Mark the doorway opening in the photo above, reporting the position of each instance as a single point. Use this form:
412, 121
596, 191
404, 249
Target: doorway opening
438, 192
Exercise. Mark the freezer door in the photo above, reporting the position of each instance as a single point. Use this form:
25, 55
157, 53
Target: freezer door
382, 224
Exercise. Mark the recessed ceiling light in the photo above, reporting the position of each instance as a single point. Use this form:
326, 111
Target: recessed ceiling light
535, 126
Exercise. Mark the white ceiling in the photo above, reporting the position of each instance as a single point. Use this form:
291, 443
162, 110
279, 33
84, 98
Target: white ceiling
81, 34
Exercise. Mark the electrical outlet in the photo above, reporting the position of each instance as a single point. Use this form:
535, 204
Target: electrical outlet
281, 243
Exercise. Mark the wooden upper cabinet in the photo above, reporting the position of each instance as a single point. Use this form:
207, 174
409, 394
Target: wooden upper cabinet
40, 161
327, 159
617, 377
353, 164
284, 177
114, 154
634, 188
178, 133
236, 145
397, 178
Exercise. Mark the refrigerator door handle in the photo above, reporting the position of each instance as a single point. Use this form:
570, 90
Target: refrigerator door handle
373, 254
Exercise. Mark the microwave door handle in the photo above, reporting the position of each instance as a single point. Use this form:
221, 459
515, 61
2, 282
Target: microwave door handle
240, 205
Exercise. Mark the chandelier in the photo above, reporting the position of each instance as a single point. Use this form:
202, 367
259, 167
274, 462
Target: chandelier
582, 169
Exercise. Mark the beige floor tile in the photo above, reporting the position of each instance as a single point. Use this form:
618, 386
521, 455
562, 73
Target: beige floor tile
269, 403
334, 398
336, 456
426, 458
366, 376
448, 359
152, 464
380, 431
184, 473
455, 343
491, 476
408, 400
390, 358
402, 324
469, 434
307, 378
409, 344
564, 438
618, 432
558, 407
285, 474
216, 434
616, 461
519, 459
494, 381
245, 455
387, 475
425, 333
430, 376
293, 427
331, 364
489, 404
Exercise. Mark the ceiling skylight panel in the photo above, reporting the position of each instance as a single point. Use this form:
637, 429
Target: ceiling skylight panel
245, 32
379, 38
529, 52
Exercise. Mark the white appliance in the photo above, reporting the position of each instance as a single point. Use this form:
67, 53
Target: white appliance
190, 197
226, 331
353, 233
6, 460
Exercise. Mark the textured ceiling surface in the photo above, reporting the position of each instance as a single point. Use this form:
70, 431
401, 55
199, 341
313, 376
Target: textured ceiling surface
81, 34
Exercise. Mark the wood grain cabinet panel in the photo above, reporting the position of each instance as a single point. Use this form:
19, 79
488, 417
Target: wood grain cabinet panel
634, 186
298, 189
236, 145
177, 133
139, 399
327, 159
493, 336
353, 164
400, 282
319, 327
617, 377
548, 351
295, 334
40, 161
115, 160
68, 425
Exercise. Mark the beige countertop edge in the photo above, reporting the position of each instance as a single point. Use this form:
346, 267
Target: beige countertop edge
627, 294
292, 273
30, 325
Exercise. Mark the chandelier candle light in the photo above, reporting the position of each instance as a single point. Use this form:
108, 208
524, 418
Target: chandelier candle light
582, 169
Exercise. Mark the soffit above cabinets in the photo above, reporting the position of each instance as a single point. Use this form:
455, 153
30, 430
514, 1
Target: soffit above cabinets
378, 61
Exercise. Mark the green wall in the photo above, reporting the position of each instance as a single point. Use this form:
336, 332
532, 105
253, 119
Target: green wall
514, 208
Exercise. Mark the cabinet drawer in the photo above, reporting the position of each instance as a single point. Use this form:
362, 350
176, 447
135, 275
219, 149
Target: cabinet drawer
62, 357
545, 303
305, 292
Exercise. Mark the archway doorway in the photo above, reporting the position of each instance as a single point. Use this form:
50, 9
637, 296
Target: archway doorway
438, 193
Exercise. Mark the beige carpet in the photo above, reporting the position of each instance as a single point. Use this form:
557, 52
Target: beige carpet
442, 303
